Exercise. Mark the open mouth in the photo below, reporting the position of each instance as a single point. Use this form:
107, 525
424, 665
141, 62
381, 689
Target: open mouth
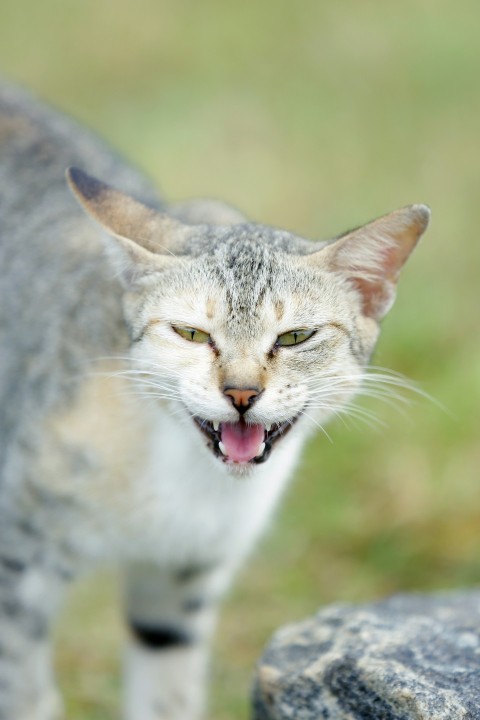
242, 442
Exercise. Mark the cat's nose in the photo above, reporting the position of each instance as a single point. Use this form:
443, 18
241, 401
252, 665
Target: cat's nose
242, 398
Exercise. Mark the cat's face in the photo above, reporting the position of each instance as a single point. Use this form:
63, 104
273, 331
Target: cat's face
251, 341
249, 333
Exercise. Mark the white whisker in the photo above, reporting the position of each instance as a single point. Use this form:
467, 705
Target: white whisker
315, 422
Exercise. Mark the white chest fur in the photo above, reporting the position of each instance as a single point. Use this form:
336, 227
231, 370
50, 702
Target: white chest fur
190, 508
152, 490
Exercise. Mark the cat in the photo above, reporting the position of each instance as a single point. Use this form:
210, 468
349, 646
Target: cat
161, 368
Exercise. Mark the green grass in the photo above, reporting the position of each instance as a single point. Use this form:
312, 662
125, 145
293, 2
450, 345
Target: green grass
314, 116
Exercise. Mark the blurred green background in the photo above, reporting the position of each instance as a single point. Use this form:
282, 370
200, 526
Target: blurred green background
315, 116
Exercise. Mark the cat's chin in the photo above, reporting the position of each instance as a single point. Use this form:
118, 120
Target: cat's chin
243, 444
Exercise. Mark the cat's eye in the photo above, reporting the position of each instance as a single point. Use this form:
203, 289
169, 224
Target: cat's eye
192, 334
294, 337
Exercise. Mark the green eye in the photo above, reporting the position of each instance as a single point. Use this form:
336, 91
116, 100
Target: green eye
294, 337
192, 334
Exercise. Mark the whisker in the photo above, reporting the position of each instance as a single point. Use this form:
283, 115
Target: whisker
315, 422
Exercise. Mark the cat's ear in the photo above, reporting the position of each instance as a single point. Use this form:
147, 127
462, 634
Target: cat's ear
143, 241
371, 257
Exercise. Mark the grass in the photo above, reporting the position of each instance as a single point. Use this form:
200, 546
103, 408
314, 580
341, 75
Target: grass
315, 117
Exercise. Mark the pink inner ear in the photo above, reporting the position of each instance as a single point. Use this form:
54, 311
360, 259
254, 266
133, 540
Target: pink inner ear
392, 259
371, 257
374, 276
377, 297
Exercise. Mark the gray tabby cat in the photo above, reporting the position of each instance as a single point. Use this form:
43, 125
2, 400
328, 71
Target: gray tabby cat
155, 397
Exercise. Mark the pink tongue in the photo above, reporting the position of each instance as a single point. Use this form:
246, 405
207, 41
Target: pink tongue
242, 441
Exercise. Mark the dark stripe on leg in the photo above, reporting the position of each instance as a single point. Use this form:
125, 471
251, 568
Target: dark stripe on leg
193, 572
195, 604
157, 637
12, 564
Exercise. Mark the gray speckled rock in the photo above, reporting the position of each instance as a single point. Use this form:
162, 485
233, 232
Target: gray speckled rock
411, 657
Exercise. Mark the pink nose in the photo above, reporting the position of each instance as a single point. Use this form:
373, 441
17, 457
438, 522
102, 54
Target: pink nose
242, 398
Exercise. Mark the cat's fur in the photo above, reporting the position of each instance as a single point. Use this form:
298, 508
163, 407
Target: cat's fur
100, 457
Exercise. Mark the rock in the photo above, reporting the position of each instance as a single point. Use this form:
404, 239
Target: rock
411, 657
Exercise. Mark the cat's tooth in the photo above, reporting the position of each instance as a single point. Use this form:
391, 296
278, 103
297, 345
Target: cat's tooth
268, 427
215, 424
222, 448
261, 450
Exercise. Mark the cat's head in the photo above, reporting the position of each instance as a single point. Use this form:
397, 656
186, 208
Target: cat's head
250, 332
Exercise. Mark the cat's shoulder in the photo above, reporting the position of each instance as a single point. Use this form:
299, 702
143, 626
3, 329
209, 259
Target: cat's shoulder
38, 142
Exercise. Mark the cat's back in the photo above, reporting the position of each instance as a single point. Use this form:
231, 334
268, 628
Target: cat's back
59, 302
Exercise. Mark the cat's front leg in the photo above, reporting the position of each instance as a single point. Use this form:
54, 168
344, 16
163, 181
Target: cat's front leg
28, 596
171, 615
35, 695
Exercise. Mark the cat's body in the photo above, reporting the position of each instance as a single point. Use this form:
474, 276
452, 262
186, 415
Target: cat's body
110, 396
